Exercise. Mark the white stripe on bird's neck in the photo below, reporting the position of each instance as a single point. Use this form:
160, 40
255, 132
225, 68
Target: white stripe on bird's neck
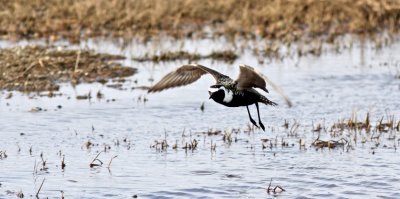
228, 95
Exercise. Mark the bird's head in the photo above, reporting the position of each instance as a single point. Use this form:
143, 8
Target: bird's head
217, 93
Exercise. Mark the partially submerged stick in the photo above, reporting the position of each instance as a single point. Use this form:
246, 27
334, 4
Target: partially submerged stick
40, 188
63, 163
109, 164
92, 164
275, 190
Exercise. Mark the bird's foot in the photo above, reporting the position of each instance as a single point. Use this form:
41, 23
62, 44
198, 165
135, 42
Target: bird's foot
261, 125
254, 123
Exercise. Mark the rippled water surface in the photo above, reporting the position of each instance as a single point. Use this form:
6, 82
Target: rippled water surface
323, 90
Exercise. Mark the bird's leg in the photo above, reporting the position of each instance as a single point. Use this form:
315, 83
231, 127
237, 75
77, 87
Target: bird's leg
251, 119
259, 119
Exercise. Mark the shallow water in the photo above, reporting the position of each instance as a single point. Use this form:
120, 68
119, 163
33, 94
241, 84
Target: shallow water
323, 90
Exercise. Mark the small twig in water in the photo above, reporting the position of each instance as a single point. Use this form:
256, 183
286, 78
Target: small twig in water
269, 186
34, 168
275, 190
63, 163
40, 188
109, 164
92, 164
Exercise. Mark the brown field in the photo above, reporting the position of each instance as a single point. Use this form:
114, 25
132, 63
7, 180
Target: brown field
285, 20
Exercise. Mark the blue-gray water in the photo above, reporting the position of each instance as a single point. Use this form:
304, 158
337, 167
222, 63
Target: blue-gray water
323, 90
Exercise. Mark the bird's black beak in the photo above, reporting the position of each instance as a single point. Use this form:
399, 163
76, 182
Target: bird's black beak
211, 94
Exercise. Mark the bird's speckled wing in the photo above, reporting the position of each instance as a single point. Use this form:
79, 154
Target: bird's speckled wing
184, 75
249, 78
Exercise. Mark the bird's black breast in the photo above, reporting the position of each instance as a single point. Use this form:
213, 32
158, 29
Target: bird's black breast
243, 98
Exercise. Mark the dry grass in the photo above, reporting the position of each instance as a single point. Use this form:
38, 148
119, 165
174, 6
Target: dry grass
227, 56
286, 20
38, 68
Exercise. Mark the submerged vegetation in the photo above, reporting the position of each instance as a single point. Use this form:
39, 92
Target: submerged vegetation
3, 155
344, 134
273, 19
38, 68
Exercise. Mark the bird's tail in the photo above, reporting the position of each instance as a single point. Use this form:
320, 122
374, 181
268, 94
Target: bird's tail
268, 102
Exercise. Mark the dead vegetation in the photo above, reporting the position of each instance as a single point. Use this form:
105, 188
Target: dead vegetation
39, 68
274, 19
63, 163
40, 166
353, 124
40, 188
227, 56
385, 124
162, 145
96, 162
3, 155
20, 194
274, 190
348, 132
330, 143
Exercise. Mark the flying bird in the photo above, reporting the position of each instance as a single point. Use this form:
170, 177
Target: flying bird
226, 91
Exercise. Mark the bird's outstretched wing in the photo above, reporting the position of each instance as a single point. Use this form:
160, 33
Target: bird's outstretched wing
184, 75
249, 78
